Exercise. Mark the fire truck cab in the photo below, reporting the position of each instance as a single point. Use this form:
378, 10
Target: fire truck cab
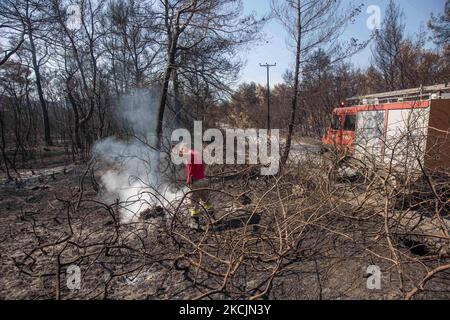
342, 134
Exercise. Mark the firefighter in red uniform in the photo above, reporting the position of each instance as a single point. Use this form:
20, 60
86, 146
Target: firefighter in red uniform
196, 180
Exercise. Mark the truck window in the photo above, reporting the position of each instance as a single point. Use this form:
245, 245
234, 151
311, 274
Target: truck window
350, 122
336, 122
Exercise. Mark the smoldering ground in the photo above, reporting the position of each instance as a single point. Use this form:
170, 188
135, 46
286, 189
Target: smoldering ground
137, 176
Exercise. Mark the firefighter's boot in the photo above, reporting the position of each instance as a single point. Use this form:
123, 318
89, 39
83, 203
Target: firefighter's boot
194, 222
209, 208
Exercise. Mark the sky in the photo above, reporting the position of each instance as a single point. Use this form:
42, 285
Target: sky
274, 48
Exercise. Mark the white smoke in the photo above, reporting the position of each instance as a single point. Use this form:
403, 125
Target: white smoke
135, 178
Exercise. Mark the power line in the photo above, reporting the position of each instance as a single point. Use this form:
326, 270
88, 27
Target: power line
267, 66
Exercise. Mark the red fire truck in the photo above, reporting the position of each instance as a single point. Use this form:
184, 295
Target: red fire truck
395, 126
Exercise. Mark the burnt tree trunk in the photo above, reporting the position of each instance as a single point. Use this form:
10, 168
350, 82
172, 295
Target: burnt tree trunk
3, 148
76, 122
287, 149
165, 90
47, 135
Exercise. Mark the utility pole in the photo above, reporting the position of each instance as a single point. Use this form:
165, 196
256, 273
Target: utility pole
267, 66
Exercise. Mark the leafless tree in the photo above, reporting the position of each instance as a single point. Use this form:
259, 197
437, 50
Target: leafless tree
310, 25
214, 27
388, 42
28, 14
440, 26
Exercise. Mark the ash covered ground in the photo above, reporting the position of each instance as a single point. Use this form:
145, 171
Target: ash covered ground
284, 237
